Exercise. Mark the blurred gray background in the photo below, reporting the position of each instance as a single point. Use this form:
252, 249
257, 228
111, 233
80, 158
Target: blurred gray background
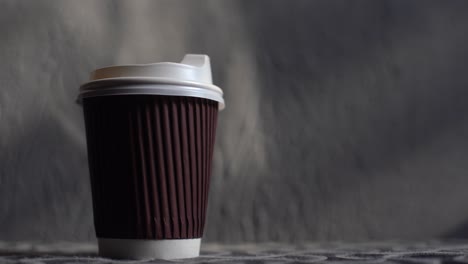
345, 120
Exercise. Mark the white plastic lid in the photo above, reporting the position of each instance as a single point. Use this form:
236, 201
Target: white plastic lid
191, 77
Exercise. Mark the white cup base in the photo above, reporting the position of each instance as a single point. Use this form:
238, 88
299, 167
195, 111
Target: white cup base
149, 249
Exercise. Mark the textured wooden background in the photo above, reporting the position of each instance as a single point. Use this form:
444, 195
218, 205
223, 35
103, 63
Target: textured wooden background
344, 119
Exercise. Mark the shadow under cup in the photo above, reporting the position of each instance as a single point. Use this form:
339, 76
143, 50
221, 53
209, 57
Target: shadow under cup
150, 164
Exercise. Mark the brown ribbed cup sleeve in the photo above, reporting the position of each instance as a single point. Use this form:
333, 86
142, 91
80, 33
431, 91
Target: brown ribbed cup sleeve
150, 164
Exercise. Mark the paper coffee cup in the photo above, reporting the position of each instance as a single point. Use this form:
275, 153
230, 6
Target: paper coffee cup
150, 133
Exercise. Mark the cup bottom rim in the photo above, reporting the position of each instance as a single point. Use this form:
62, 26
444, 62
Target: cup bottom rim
149, 249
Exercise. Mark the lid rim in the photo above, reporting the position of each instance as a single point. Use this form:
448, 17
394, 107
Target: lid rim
159, 89
104, 83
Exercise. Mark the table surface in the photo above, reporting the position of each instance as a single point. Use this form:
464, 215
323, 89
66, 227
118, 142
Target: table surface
337, 252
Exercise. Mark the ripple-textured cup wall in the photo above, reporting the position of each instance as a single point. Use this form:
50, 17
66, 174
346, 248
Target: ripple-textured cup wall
150, 164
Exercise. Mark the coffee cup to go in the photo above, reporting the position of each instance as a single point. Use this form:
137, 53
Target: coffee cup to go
150, 131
